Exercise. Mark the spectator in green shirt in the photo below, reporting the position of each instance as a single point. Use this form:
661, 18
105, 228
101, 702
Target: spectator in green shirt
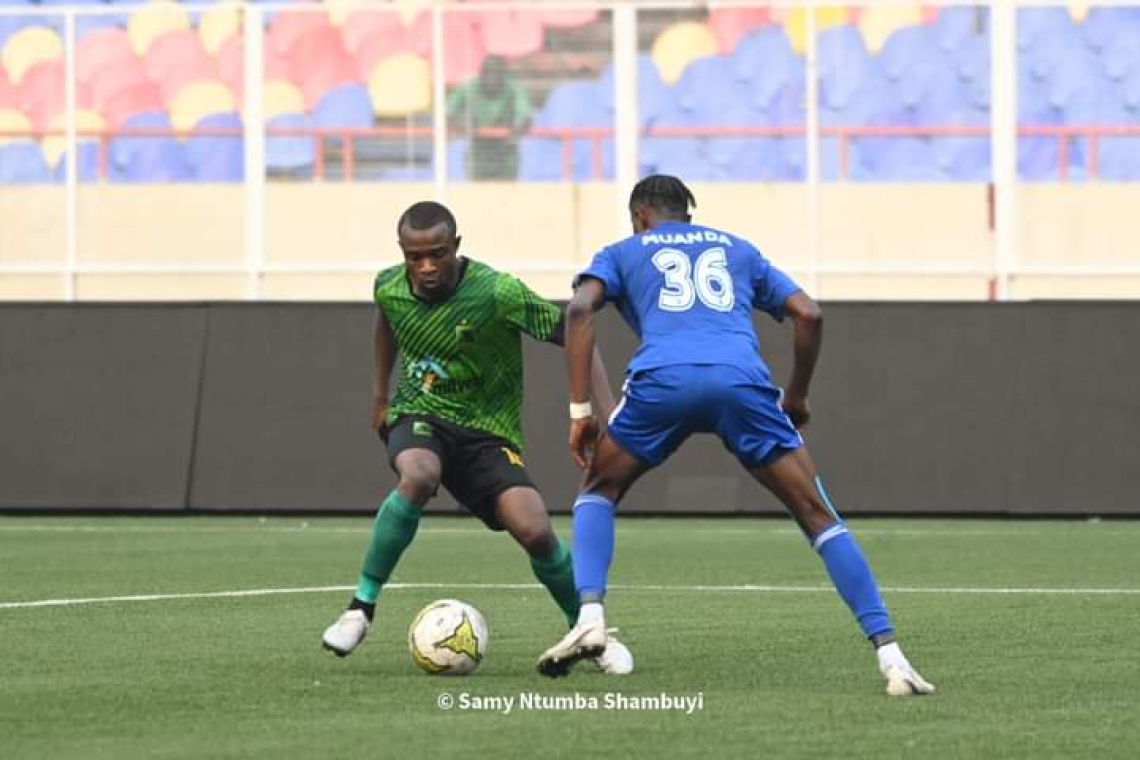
494, 100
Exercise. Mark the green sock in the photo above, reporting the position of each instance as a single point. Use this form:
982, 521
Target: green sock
395, 526
556, 572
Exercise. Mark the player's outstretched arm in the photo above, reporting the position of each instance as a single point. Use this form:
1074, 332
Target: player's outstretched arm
582, 363
807, 325
384, 355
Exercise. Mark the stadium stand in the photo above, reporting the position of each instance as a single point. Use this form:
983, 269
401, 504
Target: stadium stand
715, 73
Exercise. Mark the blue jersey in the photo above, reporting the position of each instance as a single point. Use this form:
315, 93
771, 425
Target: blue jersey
688, 292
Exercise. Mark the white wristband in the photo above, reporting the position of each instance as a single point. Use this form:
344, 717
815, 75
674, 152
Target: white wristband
578, 411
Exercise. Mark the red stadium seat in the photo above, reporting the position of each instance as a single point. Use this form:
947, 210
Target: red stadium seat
122, 75
329, 72
42, 93
319, 49
141, 97
568, 18
465, 51
362, 28
100, 49
290, 25
175, 50
511, 34
730, 24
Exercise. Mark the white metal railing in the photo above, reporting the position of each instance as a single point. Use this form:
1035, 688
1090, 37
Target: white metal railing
1003, 136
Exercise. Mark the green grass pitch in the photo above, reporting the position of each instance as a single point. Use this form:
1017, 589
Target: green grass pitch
1030, 629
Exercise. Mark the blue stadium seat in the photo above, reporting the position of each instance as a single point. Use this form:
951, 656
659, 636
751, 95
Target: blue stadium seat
873, 103
899, 159
1033, 24
963, 159
659, 152
457, 159
1130, 93
765, 63
293, 155
843, 63
706, 87
574, 104
540, 160
1103, 23
1121, 55
217, 158
905, 48
1080, 86
972, 58
1119, 159
1055, 51
86, 164
23, 163
957, 24
348, 105
759, 159
653, 95
1037, 158
148, 159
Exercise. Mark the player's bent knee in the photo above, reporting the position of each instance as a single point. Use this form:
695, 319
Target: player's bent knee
419, 483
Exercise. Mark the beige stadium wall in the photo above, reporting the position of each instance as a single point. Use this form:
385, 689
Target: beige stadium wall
872, 238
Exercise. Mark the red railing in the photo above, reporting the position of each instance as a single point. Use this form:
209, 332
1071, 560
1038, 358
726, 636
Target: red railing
597, 136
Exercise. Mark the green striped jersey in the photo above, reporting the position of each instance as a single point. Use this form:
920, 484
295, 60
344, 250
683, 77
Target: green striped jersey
461, 359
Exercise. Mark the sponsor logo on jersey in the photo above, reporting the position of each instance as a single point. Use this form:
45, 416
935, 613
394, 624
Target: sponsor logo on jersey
427, 371
513, 457
421, 428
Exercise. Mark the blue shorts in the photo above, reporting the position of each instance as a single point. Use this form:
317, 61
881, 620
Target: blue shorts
662, 407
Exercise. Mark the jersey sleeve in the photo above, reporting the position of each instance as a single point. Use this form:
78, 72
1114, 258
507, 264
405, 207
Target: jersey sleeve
605, 268
525, 309
770, 288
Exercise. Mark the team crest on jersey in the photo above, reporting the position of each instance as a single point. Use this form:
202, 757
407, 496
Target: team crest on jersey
427, 371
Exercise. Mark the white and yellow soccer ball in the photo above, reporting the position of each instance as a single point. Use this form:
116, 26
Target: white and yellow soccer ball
448, 637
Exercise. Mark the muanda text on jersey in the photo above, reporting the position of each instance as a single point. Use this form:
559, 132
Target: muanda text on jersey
682, 238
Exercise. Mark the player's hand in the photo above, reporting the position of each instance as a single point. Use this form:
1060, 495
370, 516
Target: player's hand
583, 438
797, 409
380, 419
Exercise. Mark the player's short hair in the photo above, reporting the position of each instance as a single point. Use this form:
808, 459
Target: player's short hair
665, 194
425, 215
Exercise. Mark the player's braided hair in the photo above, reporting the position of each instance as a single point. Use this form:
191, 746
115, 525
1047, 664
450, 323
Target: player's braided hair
664, 194
425, 215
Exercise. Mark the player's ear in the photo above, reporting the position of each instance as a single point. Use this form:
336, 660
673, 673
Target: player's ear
455, 245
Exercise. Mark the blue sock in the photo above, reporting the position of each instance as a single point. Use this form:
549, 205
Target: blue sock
593, 544
853, 579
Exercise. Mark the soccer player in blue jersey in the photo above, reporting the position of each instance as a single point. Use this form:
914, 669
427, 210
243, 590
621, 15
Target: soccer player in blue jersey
688, 291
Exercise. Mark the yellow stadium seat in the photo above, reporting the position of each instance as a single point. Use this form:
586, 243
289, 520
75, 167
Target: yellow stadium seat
281, 97
218, 24
879, 22
400, 85
55, 144
795, 23
679, 45
1078, 11
152, 21
199, 99
28, 47
14, 122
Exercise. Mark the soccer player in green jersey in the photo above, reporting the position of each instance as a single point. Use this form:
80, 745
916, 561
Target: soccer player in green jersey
455, 417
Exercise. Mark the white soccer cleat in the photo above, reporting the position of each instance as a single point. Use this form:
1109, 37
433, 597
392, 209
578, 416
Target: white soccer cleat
906, 682
584, 641
616, 660
346, 633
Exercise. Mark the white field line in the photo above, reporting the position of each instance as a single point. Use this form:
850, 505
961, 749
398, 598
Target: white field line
476, 529
535, 586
